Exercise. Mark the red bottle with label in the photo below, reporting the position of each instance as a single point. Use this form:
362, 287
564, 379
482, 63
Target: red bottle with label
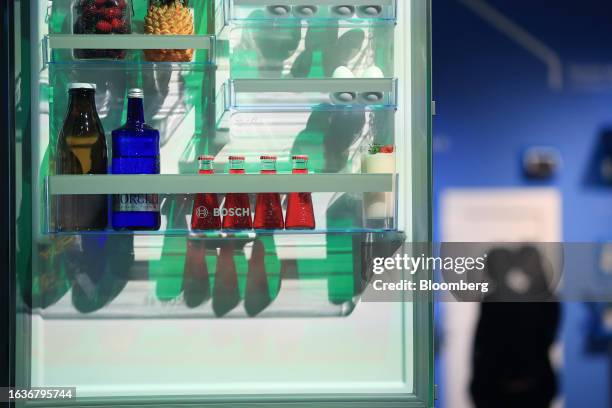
206, 211
237, 209
268, 209
300, 214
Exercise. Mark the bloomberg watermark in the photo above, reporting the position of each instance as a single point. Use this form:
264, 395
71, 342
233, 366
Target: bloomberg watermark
485, 272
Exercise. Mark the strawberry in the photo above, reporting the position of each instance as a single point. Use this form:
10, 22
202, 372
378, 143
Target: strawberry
104, 27
112, 12
117, 25
387, 149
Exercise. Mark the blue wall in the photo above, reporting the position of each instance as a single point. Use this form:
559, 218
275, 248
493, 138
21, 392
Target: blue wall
494, 100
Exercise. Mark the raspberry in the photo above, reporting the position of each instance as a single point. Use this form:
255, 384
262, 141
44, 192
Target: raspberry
112, 13
117, 25
104, 27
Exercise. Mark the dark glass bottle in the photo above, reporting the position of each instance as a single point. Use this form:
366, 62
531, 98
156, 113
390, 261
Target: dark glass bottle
268, 209
81, 149
136, 151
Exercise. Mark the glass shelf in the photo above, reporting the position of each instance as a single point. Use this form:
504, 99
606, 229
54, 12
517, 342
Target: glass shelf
58, 48
307, 116
317, 11
283, 50
265, 276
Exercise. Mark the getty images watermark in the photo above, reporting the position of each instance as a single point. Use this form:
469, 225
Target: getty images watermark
392, 270
412, 265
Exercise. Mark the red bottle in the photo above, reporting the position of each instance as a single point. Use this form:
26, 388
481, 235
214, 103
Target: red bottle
268, 209
300, 214
206, 210
237, 208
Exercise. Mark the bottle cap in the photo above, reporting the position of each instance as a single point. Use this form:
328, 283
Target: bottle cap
300, 157
267, 158
206, 157
135, 93
81, 85
236, 158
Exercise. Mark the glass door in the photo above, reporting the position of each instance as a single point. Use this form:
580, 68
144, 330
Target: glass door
316, 113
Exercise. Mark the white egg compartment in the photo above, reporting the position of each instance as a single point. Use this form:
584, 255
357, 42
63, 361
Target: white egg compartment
289, 50
329, 93
251, 10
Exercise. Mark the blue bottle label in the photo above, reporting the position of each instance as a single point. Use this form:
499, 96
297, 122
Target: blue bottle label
136, 202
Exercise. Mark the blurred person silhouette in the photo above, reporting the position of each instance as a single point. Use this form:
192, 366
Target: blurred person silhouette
517, 326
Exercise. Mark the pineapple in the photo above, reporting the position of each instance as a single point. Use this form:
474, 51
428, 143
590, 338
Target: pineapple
169, 17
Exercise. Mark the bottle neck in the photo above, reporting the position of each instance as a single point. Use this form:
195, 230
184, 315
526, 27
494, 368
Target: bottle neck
206, 167
300, 166
135, 114
236, 166
268, 166
82, 102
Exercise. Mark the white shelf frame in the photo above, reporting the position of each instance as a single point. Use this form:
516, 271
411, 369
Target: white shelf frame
130, 41
220, 183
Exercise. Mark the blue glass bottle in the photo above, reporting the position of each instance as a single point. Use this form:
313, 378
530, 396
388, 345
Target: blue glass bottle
135, 151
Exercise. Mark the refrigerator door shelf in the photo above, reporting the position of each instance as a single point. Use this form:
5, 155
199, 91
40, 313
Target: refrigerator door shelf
219, 183
270, 276
347, 203
354, 12
59, 48
275, 51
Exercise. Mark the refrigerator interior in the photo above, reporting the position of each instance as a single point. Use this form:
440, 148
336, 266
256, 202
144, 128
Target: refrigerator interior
263, 315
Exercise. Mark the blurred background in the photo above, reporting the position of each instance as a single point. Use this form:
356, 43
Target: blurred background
523, 152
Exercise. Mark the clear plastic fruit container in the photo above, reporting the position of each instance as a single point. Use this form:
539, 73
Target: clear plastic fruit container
104, 17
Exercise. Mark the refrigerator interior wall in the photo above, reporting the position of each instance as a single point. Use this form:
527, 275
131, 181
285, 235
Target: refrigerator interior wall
134, 325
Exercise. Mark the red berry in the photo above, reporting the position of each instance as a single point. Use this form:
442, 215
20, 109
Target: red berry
387, 149
117, 25
112, 12
90, 11
104, 27
100, 3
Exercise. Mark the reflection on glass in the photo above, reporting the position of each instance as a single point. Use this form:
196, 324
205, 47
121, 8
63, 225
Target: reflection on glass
226, 295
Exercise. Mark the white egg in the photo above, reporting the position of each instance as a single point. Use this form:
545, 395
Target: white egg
371, 97
369, 11
344, 97
343, 72
278, 11
373, 72
305, 11
344, 11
